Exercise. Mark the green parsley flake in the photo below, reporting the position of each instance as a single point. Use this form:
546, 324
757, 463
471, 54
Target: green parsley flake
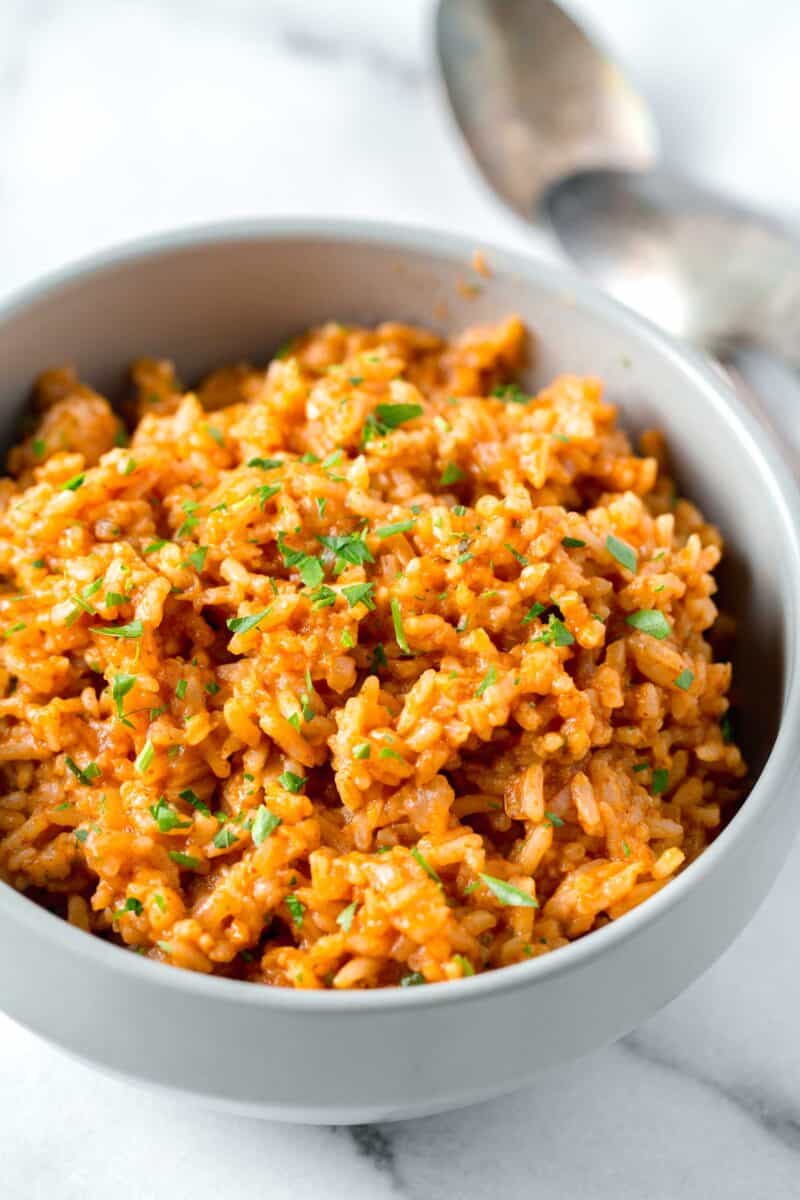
38, 446
420, 858
507, 894
225, 839
134, 629
265, 464
115, 599
650, 621
511, 393
626, 850
397, 621
156, 545
86, 774
245, 624
197, 558
552, 819
192, 798
347, 639
264, 824
184, 860
216, 434
572, 543
534, 611
360, 593
120, 687
466, 966
622, 552
414, 979
726, 729
685, 680
73, 484
346, 548
292, 783
488, 680
180, 688
387, 417
296, 908
521, 559
387, 531
144, 758
166, 818
17, 627
660, 780
451, 474
131, 905
362, 750
345, 917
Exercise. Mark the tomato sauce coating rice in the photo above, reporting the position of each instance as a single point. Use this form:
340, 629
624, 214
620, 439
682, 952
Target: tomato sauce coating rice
363, 669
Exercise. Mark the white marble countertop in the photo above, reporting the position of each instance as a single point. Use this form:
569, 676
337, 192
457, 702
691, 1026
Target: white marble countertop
119, 118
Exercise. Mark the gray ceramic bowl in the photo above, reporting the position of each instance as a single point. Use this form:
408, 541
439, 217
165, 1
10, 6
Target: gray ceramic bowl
214, 296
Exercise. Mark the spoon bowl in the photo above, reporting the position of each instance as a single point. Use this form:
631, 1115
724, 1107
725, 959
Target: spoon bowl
535, 99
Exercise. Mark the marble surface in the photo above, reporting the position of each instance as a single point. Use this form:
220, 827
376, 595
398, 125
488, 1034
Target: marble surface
120, 118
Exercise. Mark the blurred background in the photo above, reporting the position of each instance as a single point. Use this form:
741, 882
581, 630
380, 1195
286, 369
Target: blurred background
119, 117
123, 117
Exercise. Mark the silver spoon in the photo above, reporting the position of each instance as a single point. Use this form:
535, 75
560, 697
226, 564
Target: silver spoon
560, 134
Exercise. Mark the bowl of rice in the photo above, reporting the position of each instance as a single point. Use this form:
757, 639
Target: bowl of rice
397, 673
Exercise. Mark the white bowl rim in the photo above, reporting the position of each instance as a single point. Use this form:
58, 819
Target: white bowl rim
784, 758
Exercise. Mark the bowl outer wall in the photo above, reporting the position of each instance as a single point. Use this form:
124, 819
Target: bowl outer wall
210, 296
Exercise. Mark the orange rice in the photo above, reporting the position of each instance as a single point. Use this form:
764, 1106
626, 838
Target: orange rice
363, 669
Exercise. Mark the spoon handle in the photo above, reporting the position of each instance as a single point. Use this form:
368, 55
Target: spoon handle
772, 318
785, 444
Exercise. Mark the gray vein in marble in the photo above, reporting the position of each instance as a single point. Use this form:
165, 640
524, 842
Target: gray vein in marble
778, 1119
302, 41
375, 1145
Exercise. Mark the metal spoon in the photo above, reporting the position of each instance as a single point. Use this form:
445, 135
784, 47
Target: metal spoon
558, 132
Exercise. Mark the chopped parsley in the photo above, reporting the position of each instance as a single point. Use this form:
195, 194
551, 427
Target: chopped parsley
292, 783
184, 860
265, 464
197, 558
73, 484
521, 559
387, 531
387, 417
245, 624
413, 979
144, 758
399, 631
651, 621
296, 908
264, 824
180, 688
556, 633
451, 474
133, 629
552, 819
347, 639
225, 839
345, 917
362, 750
511, 393
466, 966
38, 446
572, 543
166, 818
660, 780
192, 798
346, 548
726, 729
684, 680
120, 687
488, 680
131, 905
420, 858
115, 599
156, 545
360, 593
86, 774
534, 611
216, 434
507, 894
622, 552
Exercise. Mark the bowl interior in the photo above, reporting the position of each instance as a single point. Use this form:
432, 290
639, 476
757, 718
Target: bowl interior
205, 301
